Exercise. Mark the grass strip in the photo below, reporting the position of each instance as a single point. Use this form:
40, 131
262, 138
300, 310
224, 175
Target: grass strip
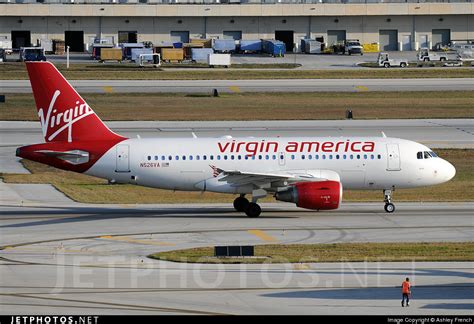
337, 252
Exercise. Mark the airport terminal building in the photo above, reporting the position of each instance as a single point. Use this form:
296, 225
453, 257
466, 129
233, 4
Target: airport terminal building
394, 24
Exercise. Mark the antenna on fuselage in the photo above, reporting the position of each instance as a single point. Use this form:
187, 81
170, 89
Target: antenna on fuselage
194, 135
383, 135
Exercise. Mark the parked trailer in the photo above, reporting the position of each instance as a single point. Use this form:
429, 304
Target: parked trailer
172, 54
311, 46
206, 43
218, 60
136, 52
200, 54
224, 46
274, 47
97, 48
32, 54
250, 46
110, 54
153, 60
127, 49
188, 47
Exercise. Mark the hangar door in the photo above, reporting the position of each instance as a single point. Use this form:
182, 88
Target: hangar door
336, 36
388, 39
232, 34
21, 38
75, 40
285, 36
441, 37
179, 36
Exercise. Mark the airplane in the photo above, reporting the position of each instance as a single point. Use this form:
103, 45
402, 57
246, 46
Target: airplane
310, 172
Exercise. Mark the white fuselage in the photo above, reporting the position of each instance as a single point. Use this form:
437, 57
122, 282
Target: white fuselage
190, 164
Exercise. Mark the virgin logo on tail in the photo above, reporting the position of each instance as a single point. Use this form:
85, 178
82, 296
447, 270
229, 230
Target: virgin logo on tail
64, 119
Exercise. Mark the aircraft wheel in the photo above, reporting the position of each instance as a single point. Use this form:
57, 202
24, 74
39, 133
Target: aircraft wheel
389, 208
240, 204
253, 210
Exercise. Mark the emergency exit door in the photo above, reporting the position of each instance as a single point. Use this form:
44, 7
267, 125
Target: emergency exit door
393, 157
123, 158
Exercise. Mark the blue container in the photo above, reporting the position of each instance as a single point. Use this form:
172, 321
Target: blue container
137, 51
251, 45
274, 47
200, 54
178, 45
224, 45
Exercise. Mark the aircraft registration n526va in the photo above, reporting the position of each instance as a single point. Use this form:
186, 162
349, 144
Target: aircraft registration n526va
310, 172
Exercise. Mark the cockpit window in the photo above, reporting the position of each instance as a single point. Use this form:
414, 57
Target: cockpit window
419, 155
426, 155
433, 154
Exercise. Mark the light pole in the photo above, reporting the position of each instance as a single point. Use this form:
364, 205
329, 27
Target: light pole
67, 57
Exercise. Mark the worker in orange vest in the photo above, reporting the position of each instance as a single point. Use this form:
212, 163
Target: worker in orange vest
406, 292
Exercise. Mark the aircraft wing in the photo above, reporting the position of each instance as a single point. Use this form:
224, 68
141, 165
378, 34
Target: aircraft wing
241, 178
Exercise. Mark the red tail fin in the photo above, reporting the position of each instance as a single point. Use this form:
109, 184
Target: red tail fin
64, 115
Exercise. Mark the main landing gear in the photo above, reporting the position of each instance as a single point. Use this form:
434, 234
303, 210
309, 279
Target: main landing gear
251, 209
389, 206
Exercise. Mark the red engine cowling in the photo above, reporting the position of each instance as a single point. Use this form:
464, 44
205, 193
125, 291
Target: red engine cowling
322, 195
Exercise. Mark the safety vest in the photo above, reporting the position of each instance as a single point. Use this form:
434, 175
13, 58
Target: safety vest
406, 287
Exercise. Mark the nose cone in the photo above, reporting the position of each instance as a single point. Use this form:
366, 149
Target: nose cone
449, 171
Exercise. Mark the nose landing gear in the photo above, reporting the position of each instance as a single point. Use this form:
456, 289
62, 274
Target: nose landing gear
389, 206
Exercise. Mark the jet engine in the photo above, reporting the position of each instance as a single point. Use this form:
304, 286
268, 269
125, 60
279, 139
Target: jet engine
321, 195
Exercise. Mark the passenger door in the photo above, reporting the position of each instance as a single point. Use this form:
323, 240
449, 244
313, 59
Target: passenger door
123, 158
393, 157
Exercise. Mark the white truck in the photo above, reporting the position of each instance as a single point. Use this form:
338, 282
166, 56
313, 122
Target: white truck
385, 61
425, 55
353, 46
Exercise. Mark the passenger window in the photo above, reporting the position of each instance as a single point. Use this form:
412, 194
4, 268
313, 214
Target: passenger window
302, 157
204, 157
274, 157
225, 157
177, 157
156, 157
352, 157
379, 156
198, 157
184, 157
212, 157
337, 156
330, 156
149, 158
163, 158
419, 155
358, 156
239, 157
323, 157
316, 157
310, 157
170, 157
218, 157
372, 156
232, 157
190, 157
